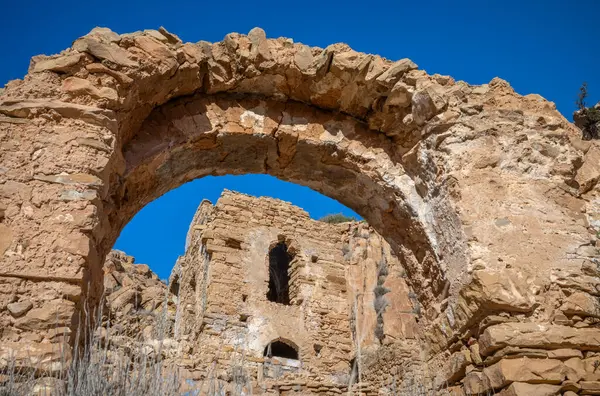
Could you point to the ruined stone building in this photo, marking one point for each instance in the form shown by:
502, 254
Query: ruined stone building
266, 290
488, 199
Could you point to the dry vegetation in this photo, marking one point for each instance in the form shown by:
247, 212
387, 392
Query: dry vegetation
103, 368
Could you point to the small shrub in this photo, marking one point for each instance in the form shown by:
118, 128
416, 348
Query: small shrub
382, 268
379, 305
380, 290
587, 118
336, 218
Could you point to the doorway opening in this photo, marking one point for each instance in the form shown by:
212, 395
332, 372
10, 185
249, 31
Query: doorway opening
281, 349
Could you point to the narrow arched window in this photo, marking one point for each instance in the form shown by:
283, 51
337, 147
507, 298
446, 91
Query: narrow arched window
354, 373
281, 349
279, 278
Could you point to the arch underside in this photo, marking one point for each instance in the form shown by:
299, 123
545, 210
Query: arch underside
329, 152
487, 197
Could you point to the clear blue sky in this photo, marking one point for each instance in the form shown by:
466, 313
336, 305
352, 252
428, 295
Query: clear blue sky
540, 46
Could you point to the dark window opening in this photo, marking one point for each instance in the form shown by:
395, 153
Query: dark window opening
279, 279
354, 371
233, 243
317, 348
281, 349
174, 286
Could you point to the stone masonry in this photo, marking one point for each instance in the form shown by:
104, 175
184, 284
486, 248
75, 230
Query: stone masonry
489, 199
225, 316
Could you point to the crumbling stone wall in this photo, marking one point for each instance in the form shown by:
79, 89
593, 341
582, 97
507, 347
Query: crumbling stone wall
488, 198
226, 317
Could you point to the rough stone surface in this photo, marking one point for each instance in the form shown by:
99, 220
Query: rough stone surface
532, 335
524, 389
333, 272
19, 308
489, 200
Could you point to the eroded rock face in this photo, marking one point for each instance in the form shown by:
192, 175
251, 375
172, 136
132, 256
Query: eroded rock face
489, 199
137, 305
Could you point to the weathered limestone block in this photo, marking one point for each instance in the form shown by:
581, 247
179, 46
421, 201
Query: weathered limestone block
475, 383
80, 86
586, 369
454, 369
110, 52
503, 290
93, 115
565, 353
19, 308
533, 335
395, 71
590, 387
52, 314
589, 173
524, 389
46, 357
6, 237
582, 304
507, 371
59, 64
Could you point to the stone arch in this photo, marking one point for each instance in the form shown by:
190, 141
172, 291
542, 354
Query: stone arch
178, 143
439, 168
283, 348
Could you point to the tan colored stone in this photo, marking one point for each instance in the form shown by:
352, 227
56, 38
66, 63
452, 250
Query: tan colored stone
6, 238
475, 383
19, 308
93, 115
524, 389
171, 37
512, 352
570, 386
76, 178
52, 314
104, 51
589, 173
60, 64
154, 48
533, 335
590, 268
454, 369
500, 290
475, 355
48, 386
547, 371
565, 353
577, 369
259, 48
582, 304
395, 71
467, 184
124, 296
79, 86
44, 357
400, 95
590, 387
100, 68
104, 34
